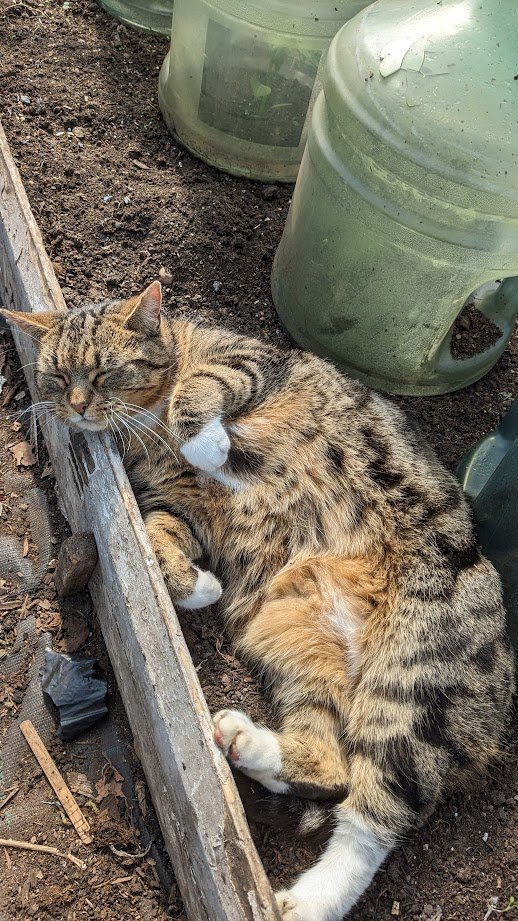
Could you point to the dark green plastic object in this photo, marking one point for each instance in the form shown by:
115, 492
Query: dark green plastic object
489, 475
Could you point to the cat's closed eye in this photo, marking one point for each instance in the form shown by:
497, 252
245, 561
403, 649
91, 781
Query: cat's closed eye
60, 379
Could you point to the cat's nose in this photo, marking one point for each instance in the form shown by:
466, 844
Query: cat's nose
80, 407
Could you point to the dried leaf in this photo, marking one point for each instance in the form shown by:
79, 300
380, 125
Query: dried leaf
79, 783
76, 632
110, 784
23, 454
140, 790
25, 550
49, 622
47, 470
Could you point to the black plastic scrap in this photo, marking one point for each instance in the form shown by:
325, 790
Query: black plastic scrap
78, 695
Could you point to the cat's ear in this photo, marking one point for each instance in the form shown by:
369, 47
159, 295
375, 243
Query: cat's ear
144, 316
34, 324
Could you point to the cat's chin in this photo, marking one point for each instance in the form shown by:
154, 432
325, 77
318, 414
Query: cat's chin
86, 425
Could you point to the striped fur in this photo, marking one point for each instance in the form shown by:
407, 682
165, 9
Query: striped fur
350, 572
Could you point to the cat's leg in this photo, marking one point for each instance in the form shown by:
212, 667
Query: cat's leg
305, 760
176, 548
330, 888
196, 417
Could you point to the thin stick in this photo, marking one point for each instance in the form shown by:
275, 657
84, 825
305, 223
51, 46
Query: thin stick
7, 799
137, 856
56, 781
28, 846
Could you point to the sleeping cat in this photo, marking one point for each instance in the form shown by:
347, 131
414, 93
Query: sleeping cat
343, 553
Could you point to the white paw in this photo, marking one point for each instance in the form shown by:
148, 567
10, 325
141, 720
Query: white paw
208, 450
253, 749
290, 907
206, 591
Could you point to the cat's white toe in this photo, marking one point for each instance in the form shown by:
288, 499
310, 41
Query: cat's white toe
290, 907
235, 733
206, 591
253, 749
208, 450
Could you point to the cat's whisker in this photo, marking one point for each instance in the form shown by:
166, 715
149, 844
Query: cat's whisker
42, 406
149, 431
123, 436
147, 412
116, 431
136, 434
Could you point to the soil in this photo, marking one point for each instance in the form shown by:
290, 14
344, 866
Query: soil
117, 200
472, 333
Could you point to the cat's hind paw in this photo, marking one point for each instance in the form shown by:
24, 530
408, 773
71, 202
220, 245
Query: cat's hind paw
206, 591
253, 749
238, 738
290, 907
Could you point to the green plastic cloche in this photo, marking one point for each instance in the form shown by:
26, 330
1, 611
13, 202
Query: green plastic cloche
146, 15
239, 83
406, 201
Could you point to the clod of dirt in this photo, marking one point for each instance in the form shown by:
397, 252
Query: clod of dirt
76, 563
106, 830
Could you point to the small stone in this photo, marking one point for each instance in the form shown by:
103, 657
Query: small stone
428, 910
463, 322
485, 836
395, 909
463, 874
269, 192
26, 100
76, 562
217, 286
165, 277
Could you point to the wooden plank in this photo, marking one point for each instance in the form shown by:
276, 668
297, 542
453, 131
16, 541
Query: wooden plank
217, 867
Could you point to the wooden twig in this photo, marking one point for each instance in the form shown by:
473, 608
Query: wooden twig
127, 854
56, 781
44, 848
7, 799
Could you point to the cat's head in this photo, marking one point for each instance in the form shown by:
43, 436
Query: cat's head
101, 362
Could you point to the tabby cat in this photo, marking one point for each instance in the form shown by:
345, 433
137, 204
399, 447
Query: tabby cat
343, 553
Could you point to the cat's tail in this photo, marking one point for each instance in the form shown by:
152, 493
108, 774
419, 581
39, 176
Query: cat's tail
302, 817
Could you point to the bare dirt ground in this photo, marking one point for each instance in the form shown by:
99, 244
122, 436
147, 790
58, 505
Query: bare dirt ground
117, 199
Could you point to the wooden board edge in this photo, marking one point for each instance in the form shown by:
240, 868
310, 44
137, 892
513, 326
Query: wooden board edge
233, 883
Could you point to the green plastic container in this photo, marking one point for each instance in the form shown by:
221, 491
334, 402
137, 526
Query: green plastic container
239, 85
407, 197
147, 15
489, 475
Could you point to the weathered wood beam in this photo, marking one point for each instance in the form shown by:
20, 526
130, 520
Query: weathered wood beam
206, 834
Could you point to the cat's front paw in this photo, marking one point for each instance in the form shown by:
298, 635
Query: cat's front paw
291, 908
206, 591
208, 450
